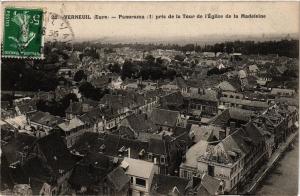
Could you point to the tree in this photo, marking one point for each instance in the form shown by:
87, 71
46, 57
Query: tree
114, 68
80, 75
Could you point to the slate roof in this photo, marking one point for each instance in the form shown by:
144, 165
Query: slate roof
6, 178
91, 170
173, 99
162, 184
141, 123
232, 114
209, 95
257, 104
92, 116
75, 108
211, 184
35, 168
239, 143
118, 178
158, 146
21, 143
164, 117
88, 142
204, 133
56, 153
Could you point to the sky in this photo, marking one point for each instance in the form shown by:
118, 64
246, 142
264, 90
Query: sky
281, 18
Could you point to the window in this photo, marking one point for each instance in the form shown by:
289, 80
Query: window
185, 174
150, 156
162, 160
131, 180
140, 182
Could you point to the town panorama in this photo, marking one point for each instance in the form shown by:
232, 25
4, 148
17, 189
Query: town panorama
96, 118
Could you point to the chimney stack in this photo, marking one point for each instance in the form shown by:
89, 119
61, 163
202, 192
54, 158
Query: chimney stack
232, 127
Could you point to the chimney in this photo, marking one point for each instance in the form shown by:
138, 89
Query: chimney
128, 152
16, 133
232, 127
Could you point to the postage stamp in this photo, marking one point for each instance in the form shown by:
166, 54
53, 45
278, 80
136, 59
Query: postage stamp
23, 33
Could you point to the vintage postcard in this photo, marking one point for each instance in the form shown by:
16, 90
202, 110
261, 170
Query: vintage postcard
149, 98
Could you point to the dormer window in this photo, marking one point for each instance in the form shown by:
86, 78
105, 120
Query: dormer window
122, 149
102, 147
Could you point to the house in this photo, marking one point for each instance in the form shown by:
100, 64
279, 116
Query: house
169, 185
167, 119
66, 73
26, 108
141, 174
226, 86
173, 101
141, 126
253, 70
232, 118
17, 147
178, 84
55, 159
162, 151
72, 130
97, 174
207, 133
210, 186
254, 105
188, 167
94, 120
235, 158
101, 82
283, 92
204, 102
43, 122
77, 109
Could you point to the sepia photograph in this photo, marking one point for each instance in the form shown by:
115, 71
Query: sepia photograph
149, 98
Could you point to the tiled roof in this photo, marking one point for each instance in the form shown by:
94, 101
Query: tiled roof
46, 119
71, 124
226, 86
139, 168
194, 152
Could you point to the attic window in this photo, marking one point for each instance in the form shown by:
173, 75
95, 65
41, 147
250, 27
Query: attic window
175, 190
231, 153
122, 149
102, 147
142, 152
